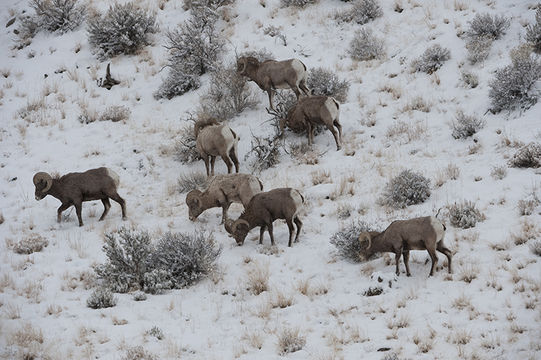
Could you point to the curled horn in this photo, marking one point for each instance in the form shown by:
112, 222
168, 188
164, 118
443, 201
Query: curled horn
366, 236
237, 223
228, 224
43, 176
244, 62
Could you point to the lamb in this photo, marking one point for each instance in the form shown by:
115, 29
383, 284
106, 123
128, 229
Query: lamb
271, 74
312, 111
214, 139
221, 192
263, 209
405, 235
74, 188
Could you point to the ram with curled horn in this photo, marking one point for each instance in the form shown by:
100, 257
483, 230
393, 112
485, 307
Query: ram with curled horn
74, 188
270, 75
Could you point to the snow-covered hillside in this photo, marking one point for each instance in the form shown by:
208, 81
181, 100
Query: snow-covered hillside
394, 119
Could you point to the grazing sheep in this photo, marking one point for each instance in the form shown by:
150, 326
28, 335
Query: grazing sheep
312, 111
424, 233
74, 188
271, 74
213, 139
221, 192
263, 209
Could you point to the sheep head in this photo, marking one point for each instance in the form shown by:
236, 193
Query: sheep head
246, 62
239, 229
43, 182
193, 200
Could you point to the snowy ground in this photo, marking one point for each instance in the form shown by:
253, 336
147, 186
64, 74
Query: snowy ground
496, 315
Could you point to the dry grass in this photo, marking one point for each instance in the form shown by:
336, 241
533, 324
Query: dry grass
346, 187
405, 132
12, 311
321, 177
417, 104
258, 278
290, 340
528, 231
468, 273
281, 300
253, 338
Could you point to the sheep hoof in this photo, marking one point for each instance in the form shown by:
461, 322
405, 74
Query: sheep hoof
124, 218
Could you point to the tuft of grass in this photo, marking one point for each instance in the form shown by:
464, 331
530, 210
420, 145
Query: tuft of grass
290, 341
258, 278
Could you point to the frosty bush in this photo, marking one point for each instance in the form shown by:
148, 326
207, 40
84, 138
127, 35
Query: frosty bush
228, 95
193, 51
58, 15
139, 296
466, 125
362, 12
289, 341
347, 240
156, 281
325, 82
185, 146
30, 244
464, 215
432, 59
190, 181
115, 113
512, 87
156, 332
214, 4
128, 252
486, 25
365, 46
528, 156
266, 151
478, 49
535, 247
533, 32
469, 79
185, 257
296, 3
124, 29
101, 298
138, 353
408, 188
261, 54
26, 31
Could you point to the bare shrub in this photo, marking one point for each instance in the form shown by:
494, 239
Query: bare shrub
325, 82
407, 188
466, 125
362, 12
511, 88
499, 172
404, 131
478, 49
138, 353
290, 341
535, 247
101, 298
185, 149
296, 3
464, 215
528, 156
347, 240
213, 4
266, 152
28, 28
30, 244
190, 181
194, 49
365, 46
123, 29
486, 25
139, 296
432, 59
469, 79
228, 94
528, 231
533, 32
115, 113
258, 278
29, 342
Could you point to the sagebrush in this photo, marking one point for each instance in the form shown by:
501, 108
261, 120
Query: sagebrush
466, 125
486, 25
123, 29
190, 181
362, 12
347, 240
432, 59
366, 46
296, 3
185, 149
407, 188
464, 214
533, 32
528, 156
101, 298
58, 15
325, 82
30, 244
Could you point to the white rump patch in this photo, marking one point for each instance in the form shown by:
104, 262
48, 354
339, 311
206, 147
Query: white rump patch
113, 175
299, 70
297, 199
332, 108
438, 227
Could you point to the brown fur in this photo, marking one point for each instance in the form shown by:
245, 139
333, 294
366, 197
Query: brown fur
212, 142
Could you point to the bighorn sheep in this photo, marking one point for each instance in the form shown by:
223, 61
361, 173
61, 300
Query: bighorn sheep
312, 111
263, 209
271, 74
213, 139
424, 233
221, 192
74, 188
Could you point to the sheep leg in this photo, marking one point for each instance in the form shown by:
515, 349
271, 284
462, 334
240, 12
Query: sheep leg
406, 254
310, 132
304, 88
291, 230
269, 228
270, 92
212, 162
299, 227
261, 233
441, 248
234, 158
339, 127
122, 203
434, 257
78, 211
106, 207
59, 211
225, 207
335, 134
397, 260
228, 163
206, 160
